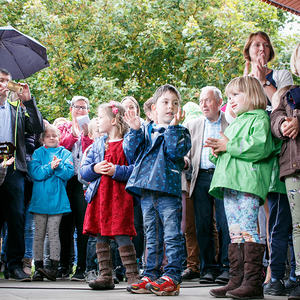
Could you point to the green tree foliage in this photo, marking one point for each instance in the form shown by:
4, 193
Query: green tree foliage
106, 49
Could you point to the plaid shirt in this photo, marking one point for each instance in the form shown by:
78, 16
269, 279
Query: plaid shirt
211, 129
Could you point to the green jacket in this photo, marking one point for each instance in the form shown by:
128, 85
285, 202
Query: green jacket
247, 164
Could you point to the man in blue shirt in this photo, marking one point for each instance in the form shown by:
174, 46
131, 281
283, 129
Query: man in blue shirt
16, 118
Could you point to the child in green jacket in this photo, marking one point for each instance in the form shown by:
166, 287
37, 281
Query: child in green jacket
244, 160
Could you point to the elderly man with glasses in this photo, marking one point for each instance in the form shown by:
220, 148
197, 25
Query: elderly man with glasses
74, 138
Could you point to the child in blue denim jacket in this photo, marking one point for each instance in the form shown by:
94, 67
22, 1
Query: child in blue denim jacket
158, 151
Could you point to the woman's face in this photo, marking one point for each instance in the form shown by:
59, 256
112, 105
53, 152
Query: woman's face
130, 106
259, 49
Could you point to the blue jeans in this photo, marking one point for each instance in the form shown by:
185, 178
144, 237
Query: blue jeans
12, 211
28, 234
91, 255
162, 218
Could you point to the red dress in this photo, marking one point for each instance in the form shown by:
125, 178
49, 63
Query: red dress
110, 213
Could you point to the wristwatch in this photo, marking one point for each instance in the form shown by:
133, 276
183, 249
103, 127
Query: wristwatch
267, 83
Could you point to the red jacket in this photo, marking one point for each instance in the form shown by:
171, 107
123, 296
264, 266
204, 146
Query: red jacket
67, 139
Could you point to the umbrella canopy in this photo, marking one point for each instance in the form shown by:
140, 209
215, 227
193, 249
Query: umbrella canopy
20, 54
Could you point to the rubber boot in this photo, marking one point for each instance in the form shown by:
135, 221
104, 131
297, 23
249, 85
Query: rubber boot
105, 279
128, 257
50, 272
37, 275
236, 271
251, 287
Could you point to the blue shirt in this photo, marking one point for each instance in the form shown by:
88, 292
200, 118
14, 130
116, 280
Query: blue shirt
6, 131
211, 129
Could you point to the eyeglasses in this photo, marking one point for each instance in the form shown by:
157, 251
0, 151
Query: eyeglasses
78, 107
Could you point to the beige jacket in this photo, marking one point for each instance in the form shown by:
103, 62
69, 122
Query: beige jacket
196, 128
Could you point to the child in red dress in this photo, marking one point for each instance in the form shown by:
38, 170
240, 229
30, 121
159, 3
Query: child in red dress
109, 213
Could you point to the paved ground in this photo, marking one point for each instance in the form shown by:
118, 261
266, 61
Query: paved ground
12, 290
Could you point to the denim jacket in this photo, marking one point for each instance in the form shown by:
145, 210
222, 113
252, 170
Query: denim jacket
94, 156
158, 163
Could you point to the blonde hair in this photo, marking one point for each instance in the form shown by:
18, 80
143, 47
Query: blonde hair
93, 128
49, 127
294, 57
278, 95
58, 121
254, 92
115, 109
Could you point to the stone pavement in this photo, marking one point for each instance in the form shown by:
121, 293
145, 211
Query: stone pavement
59, 290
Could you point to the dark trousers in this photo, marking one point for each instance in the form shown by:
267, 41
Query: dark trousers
13, 212
280, 228
223, 233
203, 206
69, 222
138, 240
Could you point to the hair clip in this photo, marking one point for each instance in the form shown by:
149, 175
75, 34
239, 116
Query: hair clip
114, 109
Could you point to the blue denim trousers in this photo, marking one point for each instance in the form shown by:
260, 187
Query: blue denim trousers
162, 215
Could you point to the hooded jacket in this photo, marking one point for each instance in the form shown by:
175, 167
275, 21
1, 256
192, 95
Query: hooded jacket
159, 163
94, 156
247, 164
49, 194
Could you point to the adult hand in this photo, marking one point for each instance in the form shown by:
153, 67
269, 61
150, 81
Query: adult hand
259, 69
247, 67
179, 117
25, 95
75, 127
290, 127
132, 120
3, 88
55, 162
85, 129
217, 145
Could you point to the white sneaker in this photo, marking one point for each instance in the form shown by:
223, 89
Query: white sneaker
91, 275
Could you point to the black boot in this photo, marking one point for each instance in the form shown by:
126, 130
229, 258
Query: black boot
295, 293
50, 272
37, 275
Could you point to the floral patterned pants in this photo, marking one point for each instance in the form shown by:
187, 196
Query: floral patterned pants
241, 212
292, 184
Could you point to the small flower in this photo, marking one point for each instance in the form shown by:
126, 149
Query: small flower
114, 110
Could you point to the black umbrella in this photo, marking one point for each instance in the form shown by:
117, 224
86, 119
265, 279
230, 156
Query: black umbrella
20, 54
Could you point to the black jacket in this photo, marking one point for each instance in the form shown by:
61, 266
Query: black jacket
29, 121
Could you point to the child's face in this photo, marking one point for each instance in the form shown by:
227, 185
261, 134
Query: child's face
166, 107
104, 122
130, 106
51, 139
237, 101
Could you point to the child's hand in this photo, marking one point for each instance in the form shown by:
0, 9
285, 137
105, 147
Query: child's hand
179, 117
55, 162
102, 167
111, 170
290, 127
132, 120
217, 145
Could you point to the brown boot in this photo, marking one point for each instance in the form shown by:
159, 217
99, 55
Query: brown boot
251, 287
236, 271
105, 279
128, 257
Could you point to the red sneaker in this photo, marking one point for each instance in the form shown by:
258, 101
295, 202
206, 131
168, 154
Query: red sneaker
140, 287
164, 286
